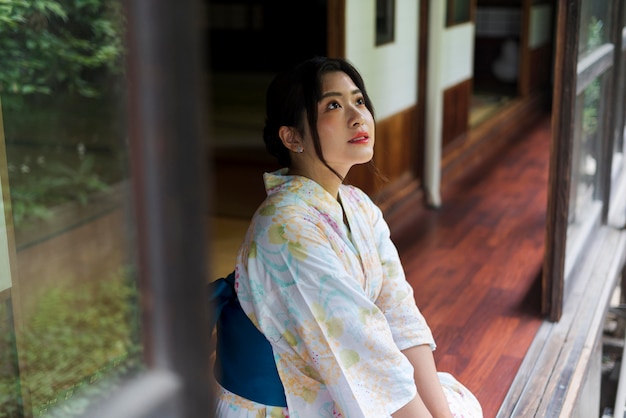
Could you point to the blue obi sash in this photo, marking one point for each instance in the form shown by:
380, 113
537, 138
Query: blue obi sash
244, 362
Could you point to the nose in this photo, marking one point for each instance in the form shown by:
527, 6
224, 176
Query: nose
358, 118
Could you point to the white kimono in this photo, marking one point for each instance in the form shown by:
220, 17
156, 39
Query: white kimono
335, 305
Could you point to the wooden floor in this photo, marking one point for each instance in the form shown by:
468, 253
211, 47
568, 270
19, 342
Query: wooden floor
475, 265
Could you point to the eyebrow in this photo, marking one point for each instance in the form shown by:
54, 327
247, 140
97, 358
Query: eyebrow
335, 93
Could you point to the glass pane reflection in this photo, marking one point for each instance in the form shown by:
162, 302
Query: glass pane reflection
587, 151
585, 202
595, 26
68, 311
620, 106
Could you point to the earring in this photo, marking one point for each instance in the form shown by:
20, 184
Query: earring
299, 149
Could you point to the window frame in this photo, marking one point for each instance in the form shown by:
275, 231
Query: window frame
573, 74
168, 169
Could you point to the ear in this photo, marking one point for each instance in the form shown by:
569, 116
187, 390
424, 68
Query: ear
290, 138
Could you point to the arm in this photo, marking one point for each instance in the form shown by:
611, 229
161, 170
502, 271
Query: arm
413, 337
414, 409
428, 386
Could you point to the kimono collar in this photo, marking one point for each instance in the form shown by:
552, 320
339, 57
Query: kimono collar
299, 188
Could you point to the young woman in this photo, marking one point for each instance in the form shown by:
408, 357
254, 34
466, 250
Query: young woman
320, 278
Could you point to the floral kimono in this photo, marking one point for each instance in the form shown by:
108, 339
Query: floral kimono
332, 299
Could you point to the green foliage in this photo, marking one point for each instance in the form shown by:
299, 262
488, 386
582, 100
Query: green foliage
59, 45
591, 101
10, 392
595, 38
10, 399
43, 186
595, 35
79, 343
60, 79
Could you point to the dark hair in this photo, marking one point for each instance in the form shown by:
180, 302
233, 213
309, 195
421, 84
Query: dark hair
295, 93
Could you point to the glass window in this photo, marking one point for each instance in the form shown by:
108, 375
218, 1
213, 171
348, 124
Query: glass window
595, 28
69, 324
585, 187
620, 105
617, 216
587, 151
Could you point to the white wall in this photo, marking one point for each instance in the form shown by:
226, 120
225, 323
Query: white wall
456, 58
389, 71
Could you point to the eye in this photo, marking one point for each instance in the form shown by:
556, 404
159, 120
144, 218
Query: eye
333, 105
360, 101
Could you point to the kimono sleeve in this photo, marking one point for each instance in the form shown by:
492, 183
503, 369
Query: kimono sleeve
333, 346
397, 299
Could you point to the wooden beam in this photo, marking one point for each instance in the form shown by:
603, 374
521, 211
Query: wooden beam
336, 24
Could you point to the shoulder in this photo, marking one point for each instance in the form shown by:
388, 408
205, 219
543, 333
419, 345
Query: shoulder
282, 213
284, 203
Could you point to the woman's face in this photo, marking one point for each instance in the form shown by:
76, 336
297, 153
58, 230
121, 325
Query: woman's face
345, 125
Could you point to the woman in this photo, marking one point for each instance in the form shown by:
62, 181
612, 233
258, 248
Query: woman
317, 272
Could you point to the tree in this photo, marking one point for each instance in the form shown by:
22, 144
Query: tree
59, 45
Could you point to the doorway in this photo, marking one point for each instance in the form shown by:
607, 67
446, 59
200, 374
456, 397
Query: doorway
496, 57
249, 42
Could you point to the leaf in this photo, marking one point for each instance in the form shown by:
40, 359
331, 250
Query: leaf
28, 89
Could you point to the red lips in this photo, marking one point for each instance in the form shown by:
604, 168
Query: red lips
360, 137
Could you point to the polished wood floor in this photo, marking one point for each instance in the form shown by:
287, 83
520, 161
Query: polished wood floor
475, 265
